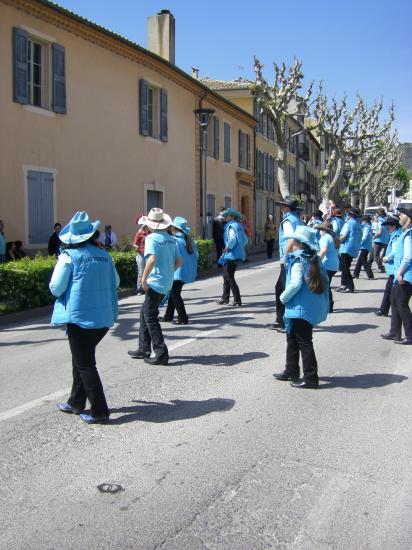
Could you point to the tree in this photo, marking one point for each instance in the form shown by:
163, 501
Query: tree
280, 101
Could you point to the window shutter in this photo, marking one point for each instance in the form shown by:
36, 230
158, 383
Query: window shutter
20, 69
40, 206
226, 142
143, 107
216, 138
247, 152
163, 114
59, 79
240, 149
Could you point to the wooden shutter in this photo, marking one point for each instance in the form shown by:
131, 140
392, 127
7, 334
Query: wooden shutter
20, 69
216, 138
59, 79
247, 152
240, 149
40, 206
163, 114
143, 107
226, 143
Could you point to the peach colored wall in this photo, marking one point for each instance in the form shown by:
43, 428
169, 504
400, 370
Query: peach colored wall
102, 163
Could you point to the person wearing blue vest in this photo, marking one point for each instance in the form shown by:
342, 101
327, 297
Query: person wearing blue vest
2, 243
235, 251
380, 240
394, 230
85, 283
402, 285
185, 274
350, 238
306, 304
290, 221
337, 221
365, 249
329, 254
162, 258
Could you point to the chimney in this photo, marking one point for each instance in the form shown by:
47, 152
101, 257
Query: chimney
161, 35
195, 72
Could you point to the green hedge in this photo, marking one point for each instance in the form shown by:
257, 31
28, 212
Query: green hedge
24, 284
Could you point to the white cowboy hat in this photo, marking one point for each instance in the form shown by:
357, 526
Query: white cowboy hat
156, 219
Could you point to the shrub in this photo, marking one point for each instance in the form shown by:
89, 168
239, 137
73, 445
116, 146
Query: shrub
204, 248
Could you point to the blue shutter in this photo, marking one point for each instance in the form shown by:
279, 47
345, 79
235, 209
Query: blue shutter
40, 206
240, 149
20, 68
143, 107
247, 152
216, 138
59, 79
163, 114
227, 143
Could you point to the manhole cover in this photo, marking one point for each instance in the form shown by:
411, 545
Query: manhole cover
111, 488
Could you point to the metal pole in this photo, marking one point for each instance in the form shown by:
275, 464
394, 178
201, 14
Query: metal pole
203, 180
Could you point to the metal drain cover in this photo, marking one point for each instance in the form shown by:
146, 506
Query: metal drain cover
111, 488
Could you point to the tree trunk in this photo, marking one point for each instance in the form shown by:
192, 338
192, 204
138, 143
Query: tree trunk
336, 177
367, 197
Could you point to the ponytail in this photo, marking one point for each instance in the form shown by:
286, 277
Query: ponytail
188, 243
315, 280
337, 242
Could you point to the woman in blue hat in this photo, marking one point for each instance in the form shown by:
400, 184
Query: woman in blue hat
329, 254
185, 274
85, 283
394, 231
306, 304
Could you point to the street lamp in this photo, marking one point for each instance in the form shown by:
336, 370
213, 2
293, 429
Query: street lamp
203, 117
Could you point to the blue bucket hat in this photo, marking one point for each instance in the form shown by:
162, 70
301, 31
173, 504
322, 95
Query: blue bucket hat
307, 236
79, 229
231, 212
181, 223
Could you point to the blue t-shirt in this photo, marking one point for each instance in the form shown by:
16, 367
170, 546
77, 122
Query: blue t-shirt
164, 247
331, 260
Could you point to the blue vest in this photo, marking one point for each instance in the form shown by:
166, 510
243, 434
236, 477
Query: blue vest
407, 273
331, 260
293, 218
237, 253
305, 304
337, 224
393, 239
352, 242
90, 300
366, 242
384, 236
187, 271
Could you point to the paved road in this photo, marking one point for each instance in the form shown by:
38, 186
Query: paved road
211, 451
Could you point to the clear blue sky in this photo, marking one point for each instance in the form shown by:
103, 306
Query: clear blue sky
352, 45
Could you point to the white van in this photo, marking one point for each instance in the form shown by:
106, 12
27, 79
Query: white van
372, 210
404, 203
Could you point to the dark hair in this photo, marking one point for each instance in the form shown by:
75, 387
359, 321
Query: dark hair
188, 243
57, 224
314, 280
18, 244
91, 240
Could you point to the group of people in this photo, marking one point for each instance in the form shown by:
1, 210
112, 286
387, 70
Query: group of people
10, 250
85, 281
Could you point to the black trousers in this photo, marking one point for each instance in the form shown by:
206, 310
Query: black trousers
279, 288
176, 302
346, 276
386, 300
86, 379
229, 283
220, 245
377, 256
364, 262
269, 247
330, 276
401, 312
300, 341
150, 331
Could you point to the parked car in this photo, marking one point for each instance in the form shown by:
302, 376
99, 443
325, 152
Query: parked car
403, 203
372, 210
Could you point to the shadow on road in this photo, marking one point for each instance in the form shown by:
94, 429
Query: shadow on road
228, 360
350, 329
361, 381
153, 411
356, 310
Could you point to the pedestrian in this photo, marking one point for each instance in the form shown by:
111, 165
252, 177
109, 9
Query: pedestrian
329, 254
365, 249
394, 231
218, 229
18, 250
53, 246
315, 219
350, 238
306, 304
380, 240
162, 259
270, 233
337, 221
2, 243
185, 274
108, 238
402, 285
85, 283
290, 221
233, 253
248, 233
10, 251
138, 243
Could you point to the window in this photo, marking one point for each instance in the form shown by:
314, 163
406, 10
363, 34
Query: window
36, 64
154, 199
260, 211
40, 209
153, 121
226, 142
244, 150
228, 202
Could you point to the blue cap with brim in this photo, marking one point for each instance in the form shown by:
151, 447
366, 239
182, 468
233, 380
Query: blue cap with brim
306, 235
231, 212
79, 229
181, 224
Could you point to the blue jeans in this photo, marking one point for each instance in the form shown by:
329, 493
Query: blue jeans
150, 332
140, 262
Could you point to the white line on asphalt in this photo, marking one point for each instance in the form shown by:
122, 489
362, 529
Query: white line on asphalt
47, 398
